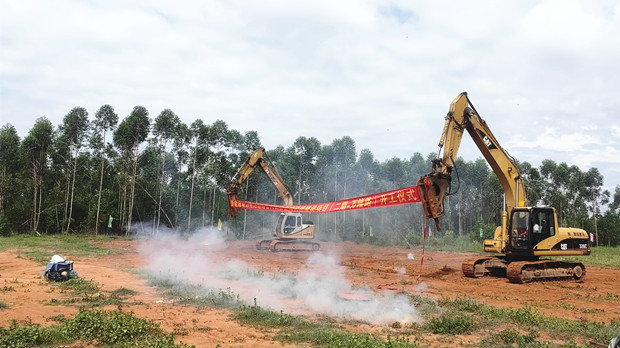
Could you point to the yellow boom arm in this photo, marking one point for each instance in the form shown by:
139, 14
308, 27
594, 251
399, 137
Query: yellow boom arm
434, 186
257, 159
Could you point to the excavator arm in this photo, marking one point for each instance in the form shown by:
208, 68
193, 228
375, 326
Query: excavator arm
436, 185
258, 159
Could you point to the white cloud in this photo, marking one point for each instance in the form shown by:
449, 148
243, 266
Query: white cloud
382, 72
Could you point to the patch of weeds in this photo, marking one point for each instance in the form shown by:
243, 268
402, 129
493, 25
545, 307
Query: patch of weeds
79, 286
258, 316
296, 329
60, 318
29, 335
123, 292
87, 293
427, 307
510, 338
530, 319
97, 327
199, 296
116, 328
3, 305
7, 289
452, 323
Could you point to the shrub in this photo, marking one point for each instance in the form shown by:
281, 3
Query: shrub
452, 323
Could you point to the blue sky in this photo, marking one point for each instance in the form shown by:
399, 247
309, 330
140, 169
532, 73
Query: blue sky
543, 74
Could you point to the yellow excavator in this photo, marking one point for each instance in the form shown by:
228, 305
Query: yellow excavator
291, 231
526, 233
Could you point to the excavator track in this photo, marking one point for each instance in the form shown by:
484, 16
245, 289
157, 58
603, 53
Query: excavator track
544, 270
263, 244
277, 245
477, 267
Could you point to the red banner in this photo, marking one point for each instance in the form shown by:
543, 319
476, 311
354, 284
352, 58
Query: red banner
386, 199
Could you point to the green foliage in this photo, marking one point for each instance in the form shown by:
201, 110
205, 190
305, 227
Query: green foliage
527, 318
110, 327
600, 256
87, 294
41, 248
17, 336
452, 323
5, 229
195, 295
296, 329
180, 177
444, 242
3, 305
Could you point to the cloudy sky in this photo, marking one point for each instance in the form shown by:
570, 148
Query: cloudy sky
543, 74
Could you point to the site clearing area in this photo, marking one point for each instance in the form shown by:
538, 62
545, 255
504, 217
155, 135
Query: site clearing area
195, 287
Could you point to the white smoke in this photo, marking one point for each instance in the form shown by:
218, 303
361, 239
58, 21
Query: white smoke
319, 287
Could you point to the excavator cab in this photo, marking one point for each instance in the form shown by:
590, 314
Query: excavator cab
528, 228
520, 228
291, 225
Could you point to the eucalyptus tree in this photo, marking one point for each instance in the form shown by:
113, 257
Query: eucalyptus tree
344, 159
74, 129
180, 146
165, 129
35, 148
224, 140
9, 163
200, 138
131, 132
105, 120
306, 153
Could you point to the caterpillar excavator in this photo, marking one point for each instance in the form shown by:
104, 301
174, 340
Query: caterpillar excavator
527, 233
291, 232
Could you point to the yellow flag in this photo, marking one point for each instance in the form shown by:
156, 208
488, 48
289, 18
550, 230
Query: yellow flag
219, 224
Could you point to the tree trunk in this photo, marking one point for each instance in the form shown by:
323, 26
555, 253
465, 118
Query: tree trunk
34, 197
460, 210
213, 208
100, 185
72, 189
161, 186
133, 186
191, 193
245, 211
204, 206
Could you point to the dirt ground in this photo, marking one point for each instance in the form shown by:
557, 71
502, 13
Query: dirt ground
382, 269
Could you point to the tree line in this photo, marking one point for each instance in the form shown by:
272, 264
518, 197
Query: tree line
107, 175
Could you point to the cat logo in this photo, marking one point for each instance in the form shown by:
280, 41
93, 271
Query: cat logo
485, 139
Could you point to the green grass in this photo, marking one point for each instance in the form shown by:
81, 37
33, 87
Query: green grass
290, 329
3, 305
530, 319
599, 256
299, 330
87, 294
103, 328
41, 248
